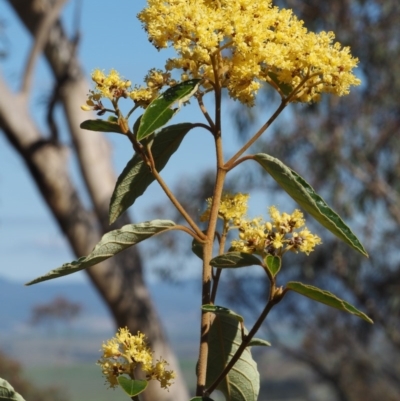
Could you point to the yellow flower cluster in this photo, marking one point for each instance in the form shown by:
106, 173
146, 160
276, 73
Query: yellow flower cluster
232, 207
113, 87
124, 352
276, 237
110, 86
243, 43
155, 80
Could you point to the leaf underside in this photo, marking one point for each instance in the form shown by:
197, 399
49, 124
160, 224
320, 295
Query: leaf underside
220, 310
243, 381
308, 199
136, 176
110, 244
327, 298
259, 342
7, 392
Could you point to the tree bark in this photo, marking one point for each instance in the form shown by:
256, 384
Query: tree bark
120, 280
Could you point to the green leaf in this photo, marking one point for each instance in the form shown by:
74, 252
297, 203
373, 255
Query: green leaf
326, 298
285, 88
235, 259
136, 176
308, 199
197, 249
243, 381
259, 342
101, 126
112, 119
159, 111
7, 392
273, 264
110, 244
137, 124
220, 310
132, 387
201, 399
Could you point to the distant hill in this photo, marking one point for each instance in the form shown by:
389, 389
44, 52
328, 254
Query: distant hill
17, 300
175, 304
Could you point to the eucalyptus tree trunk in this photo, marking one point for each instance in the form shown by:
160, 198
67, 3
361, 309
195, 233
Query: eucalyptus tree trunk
119, 280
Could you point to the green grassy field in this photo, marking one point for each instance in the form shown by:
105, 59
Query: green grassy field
84, 382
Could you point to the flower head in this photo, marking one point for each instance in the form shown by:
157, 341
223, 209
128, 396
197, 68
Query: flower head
125, 352
232, 207
113, 87
244, 43
155, 80
110, 86
275, 237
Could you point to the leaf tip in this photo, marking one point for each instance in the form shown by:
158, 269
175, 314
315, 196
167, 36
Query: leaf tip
368, 319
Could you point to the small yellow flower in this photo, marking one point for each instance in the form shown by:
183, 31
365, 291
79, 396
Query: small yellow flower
304, 241
124, 352
232, 207
110, 86
155, 80
278, 240
276, 237
158, 372
247, 43
285, 222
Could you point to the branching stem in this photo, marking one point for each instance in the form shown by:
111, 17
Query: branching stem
257, 135
188, 231
177, 204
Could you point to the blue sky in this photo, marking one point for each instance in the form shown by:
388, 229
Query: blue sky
111, 37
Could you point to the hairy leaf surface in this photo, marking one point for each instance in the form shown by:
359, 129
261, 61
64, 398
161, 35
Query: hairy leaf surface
259, 342
308, 199
7, 392
110, 244
243, 381
326, 297
220, 310
136, 176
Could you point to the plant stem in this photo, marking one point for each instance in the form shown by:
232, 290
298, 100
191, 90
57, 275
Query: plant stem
220, 252
208, 246
188, 231
205, 112
207, 273
278, 111
241, 160
176, 203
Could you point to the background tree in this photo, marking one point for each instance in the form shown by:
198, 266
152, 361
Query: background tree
58, 309
120, 283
